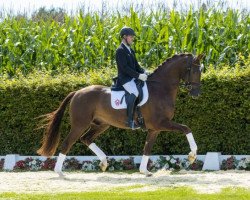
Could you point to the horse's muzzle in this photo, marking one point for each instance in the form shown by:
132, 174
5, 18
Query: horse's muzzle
195, 92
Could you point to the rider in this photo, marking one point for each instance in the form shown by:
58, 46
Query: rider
128, 71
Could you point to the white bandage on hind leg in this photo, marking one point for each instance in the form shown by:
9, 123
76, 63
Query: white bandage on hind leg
59, 162
100, 154
144, 163
191, 142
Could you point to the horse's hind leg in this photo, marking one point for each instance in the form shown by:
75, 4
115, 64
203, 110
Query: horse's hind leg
72, 137
150, 140
95, 130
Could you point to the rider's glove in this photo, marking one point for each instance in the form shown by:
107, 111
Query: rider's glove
143, 77
147, 72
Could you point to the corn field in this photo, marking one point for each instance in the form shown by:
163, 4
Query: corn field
89, 40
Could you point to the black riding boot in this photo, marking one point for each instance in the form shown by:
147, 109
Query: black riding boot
130, 112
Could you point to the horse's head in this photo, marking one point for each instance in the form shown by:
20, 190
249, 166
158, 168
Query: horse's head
182, 66
192, 76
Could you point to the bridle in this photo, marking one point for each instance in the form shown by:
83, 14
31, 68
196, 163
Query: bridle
189, 84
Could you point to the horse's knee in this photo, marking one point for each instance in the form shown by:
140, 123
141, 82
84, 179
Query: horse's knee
86, 140
186, 129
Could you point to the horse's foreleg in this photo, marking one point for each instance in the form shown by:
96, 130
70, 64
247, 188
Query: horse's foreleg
88, 138
150, 140
172, 126
193, 154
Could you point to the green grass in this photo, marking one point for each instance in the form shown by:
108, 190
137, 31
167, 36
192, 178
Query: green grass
124, 193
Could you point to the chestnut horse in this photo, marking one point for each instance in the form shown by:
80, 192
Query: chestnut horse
91, 112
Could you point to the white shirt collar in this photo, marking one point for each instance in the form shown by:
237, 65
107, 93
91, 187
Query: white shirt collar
127, 47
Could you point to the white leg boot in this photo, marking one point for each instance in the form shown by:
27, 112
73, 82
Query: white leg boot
101, 155
59, 164
143, 166
193, 154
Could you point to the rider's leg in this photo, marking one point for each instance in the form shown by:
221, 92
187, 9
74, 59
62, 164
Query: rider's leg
131, 88
130, 111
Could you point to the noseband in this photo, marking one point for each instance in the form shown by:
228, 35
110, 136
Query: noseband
189, 84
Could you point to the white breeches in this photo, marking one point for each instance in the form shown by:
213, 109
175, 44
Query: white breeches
131, 88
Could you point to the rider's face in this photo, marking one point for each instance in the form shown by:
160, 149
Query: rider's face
130, 39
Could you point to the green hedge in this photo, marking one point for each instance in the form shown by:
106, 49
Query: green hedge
219, 119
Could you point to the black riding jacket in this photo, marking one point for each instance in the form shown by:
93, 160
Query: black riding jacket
128, 67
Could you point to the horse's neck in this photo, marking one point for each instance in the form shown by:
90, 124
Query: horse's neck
167, 79
169, 75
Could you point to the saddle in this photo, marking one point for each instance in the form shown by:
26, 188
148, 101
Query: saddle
139, 84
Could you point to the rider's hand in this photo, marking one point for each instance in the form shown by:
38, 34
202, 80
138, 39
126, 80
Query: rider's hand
143, 77
146, 72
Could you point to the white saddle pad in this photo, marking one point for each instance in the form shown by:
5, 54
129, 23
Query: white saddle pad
116, 97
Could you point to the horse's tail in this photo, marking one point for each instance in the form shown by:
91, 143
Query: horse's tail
52, 136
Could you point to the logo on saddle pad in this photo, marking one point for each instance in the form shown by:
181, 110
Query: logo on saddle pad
118, 98
117, 102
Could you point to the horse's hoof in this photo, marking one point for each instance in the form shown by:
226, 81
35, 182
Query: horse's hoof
103, 165
60, 174
146, 173
192, 157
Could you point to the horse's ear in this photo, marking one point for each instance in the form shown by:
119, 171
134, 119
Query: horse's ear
200, 57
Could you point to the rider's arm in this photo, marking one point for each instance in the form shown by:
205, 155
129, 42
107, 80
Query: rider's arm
122, 64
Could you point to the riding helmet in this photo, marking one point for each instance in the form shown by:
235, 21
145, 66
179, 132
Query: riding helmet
127, 31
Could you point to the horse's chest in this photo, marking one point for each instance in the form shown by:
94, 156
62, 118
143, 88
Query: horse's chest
165, 108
